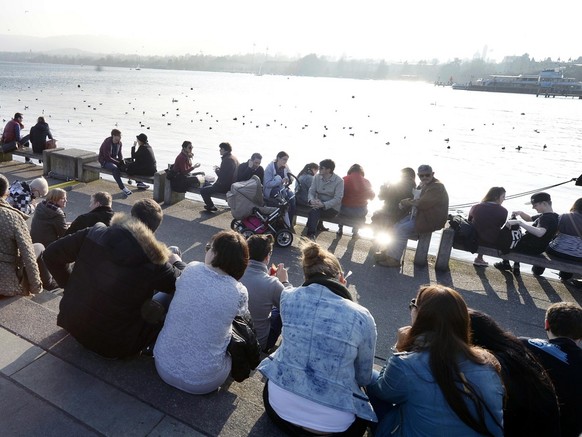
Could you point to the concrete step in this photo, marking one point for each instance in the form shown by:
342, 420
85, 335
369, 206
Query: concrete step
86, 394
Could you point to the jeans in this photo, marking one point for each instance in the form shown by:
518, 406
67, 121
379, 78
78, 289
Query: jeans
207, 192
276, 326
402, 230
116, 173
317, 214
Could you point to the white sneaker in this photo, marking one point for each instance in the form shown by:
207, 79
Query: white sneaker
127, 192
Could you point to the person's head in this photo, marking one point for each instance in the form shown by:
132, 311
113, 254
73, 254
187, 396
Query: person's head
486, 333
541, 202
101, 198
327, 166
148, 212
3, 186
356, 168
564, 319
495, 194
282, 158
187, 146
315, 260
40, 120
408, 173
39, 187
58, 196
256, 159
577, 207
260, 247
229, 252
18, 117
115, 135
224, 148
425, 174
311, 168
142, 138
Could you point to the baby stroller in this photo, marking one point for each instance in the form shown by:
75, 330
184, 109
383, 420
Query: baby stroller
251, 216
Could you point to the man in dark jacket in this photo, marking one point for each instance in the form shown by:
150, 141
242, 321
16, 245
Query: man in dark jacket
429, 212
38, 134
117, 270
101, 212
144, 161
561, 356
251, 168
226, 176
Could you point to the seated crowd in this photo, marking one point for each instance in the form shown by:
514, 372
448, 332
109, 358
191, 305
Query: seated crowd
454, 370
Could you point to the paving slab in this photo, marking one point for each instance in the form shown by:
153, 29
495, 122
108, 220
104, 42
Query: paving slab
17, 353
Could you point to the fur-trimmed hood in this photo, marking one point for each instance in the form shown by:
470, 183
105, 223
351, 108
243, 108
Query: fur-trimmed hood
155, 251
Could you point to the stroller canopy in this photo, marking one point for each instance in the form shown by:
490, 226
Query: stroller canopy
244, 196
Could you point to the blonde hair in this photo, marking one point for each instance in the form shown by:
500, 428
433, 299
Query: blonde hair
55, 194
316, 260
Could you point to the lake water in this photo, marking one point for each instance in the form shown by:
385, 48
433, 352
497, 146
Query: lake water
382, 125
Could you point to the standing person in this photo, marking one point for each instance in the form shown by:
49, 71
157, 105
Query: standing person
392, 211
537, 236
183, 180
567, 243
38, 134
226, 176
23, 195
116, 271
144, 161
561, 356
277, 180
100, 212
428, 213
531, 405
438, 383
304, 180
357, 192
315, 378
488, 217
49, 221
264, 289
11, 134
325, 197
190, 352
252, 167
111, 158
16, 250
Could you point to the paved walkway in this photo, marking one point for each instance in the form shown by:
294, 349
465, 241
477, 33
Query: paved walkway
50, 385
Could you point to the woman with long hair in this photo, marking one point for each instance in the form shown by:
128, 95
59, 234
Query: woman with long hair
304, 180
316, 376
190, 352
531, 407
567, 243
488, 217
438, 383
276, 183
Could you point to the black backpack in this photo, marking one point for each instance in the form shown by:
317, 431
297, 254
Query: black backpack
465, 234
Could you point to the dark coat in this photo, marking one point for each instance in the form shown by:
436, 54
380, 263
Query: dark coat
433, 208
101, 214
116, 270
38, 134
226, 173
144, 163
49, 223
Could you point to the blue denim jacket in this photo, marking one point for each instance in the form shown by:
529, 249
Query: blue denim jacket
421, 408
327, 351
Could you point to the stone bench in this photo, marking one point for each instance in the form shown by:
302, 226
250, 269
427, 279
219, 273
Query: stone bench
27, 152
543, 260
91, 171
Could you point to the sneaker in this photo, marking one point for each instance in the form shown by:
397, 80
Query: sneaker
126, 191
537, 270
388, 261
210, 208
321, 228
340, 230
27, 159
502, 265
142, 186
516, 270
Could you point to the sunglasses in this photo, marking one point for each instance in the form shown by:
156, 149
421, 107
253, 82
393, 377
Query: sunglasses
424, 175
412, 304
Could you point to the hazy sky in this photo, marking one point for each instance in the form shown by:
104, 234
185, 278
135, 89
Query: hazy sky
387, 29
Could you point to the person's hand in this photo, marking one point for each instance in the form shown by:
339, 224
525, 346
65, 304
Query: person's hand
401, 337
282, 274
196, 165
406, 202
517, 213
216, 168
173, 258
285, 181
134, 143
513, 222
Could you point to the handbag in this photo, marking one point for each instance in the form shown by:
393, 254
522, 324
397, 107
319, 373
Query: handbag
244, 348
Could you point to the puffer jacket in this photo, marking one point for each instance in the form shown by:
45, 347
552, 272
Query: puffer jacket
116, 270
16, 249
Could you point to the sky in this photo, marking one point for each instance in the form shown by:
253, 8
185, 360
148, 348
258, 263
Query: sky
409, 30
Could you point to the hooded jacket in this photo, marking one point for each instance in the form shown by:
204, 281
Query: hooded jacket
116, 270
48, 223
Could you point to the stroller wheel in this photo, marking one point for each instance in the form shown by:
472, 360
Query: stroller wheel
235, 224
246, 232
284, 238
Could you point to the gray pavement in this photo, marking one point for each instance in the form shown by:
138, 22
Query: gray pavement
50, 385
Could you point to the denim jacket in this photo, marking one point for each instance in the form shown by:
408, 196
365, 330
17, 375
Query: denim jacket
327, 351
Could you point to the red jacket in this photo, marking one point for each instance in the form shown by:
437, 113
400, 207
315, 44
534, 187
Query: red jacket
11, 131
357, 190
